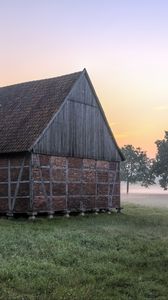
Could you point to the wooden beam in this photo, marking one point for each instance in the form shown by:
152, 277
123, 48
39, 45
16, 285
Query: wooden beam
42, 183
111, 197
51, 189
96, 192
17, 185
82, 206
9, 185
66, 178
30, 184
72, 100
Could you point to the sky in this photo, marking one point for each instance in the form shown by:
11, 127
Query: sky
123, 44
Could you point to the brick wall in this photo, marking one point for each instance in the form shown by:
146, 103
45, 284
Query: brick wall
10, 167
59, 184
74, 184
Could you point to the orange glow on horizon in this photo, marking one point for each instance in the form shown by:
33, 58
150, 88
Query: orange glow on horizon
127, 59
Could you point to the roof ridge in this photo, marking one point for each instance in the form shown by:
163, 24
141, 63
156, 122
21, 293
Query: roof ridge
38, 80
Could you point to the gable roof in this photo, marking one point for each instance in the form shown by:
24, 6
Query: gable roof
27, 108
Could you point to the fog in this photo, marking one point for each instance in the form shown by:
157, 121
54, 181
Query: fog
154, 196
137, 188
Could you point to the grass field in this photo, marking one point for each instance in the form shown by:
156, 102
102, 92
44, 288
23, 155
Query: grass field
105, 257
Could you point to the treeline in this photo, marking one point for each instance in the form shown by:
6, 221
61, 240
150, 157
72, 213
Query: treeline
138, 167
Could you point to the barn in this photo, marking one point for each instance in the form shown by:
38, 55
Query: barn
57, 151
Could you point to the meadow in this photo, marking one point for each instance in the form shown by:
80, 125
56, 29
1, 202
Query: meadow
103, 257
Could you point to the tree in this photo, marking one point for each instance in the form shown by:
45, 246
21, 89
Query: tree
160, 166
136, 167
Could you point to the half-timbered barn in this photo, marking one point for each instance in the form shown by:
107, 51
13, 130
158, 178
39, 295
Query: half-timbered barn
57, 151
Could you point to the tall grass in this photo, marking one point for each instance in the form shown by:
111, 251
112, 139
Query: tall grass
104, 257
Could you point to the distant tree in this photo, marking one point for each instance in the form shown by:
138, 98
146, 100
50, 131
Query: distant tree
137, 167
160, 166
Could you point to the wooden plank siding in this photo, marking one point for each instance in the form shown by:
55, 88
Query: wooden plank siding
79, 129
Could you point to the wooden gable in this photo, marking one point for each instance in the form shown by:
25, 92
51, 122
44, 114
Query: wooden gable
79, 128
